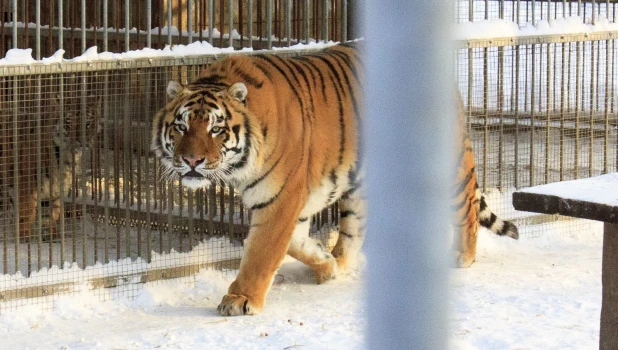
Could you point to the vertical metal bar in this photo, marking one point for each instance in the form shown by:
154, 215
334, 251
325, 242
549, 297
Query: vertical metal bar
250, 22
82, 180
105, 26
127, 24
211, 20
563, 100
533, 15
344, 20
532, 114
169, 22
516, 151
548, 105
38, 32
518, 20
16, 201
147, 169
593, 81
288, 22
307, 26
485, 115
424, 281
231, 211
39, 161
189, 21
325, 9
486, 9
83, 26
577, 105
230, 18
594, 18
107, 174
471, 10
269, 24
191, 216
126, 150
606, 106
14, 24
148, 23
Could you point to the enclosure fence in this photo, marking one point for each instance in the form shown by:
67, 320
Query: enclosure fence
81, 200
123, 25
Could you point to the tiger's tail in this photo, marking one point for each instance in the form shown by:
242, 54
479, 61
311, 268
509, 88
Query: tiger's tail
492, 222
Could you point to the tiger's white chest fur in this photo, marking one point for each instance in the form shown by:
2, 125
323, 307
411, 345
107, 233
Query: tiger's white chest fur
329, 191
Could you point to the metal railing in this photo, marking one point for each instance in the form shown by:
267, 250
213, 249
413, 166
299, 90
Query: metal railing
75, 25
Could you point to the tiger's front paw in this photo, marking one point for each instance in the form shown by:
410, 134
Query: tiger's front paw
462, 260
237, 305
326, 271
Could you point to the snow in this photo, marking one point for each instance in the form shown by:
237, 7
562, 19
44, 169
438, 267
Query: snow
538, 292
500, 28
600, 189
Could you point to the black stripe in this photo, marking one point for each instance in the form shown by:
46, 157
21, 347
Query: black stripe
462, 184
488, 222
345, 234
271, 200
258, 180
346, 213
317, 70
302, 219
248, 78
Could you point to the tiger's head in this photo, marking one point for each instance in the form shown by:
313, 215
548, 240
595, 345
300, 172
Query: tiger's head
204, 133
78, 124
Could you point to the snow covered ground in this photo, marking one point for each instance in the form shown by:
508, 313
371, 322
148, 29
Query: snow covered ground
536, 293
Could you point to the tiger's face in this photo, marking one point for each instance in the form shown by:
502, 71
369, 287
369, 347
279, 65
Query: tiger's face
202, 134
77, 127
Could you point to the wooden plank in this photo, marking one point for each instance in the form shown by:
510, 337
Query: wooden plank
550, 204
115, 280
608, 338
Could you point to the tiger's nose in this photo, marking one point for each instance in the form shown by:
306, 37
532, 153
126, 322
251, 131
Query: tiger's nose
193, 161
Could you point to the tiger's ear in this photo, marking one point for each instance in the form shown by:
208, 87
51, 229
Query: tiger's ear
174, 89
238, 91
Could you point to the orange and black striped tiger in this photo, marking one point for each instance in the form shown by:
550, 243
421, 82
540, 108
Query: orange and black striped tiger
469, 203
285, 133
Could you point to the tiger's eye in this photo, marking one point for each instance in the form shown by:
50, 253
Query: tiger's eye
215, 129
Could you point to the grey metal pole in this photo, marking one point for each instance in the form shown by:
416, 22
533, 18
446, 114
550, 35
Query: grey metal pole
14, 8
325, 19
250, 22
409, 111
231, 20
60, 24
211, 20
149, 23
105, 24
169, 22
269, 24
127, 25
84, 26
189, 21
38, 29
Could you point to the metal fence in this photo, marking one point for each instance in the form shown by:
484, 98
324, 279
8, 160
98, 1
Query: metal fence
541, 109
80, 198
115, 25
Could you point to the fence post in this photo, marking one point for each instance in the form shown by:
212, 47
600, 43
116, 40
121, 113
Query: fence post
408, 126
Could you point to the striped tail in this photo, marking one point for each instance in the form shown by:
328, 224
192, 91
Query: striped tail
493, 223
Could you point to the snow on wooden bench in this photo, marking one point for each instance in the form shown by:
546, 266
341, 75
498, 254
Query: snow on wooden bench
594, 198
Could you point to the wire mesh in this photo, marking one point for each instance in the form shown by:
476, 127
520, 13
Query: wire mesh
540, 112
81, 200
524, 11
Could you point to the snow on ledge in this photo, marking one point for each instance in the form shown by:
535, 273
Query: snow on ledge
600, 189
24, 56
499, 28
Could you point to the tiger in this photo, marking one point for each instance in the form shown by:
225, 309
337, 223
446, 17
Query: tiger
469, 204
60, 147
284, 131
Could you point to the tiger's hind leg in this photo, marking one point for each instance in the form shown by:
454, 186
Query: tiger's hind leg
352, 211
312, 252
465, 243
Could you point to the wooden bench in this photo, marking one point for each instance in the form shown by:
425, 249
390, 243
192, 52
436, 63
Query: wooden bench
594, 198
